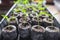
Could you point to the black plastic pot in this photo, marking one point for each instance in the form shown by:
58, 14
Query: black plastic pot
13, 21
40, 21
52, 33
29, 9
34, 21
34, 14
15, 14
27, 19
37, 32
9, 33
24, 30
20, 15
43, 16
47, 22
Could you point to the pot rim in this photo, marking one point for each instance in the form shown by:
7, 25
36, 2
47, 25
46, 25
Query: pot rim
33, 28
32, 15
33, 19
14, 28
44, 16
55, 30
27, 27
21, 20
12, 21
45, 20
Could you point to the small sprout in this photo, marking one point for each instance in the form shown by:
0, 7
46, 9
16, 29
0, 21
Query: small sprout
17, 10
25, 2
44, 13
26, 14
41, 8
12, 19
40, 1
5, 17
19, 1
24, 10
19, 6
34, 9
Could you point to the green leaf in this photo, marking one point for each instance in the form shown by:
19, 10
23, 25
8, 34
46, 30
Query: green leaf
24, 10
26, 14
25, 2
42, 13
41, 8
5, 17
16, 10
34, 9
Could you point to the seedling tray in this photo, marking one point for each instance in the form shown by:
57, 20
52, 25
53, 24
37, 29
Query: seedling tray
4, 22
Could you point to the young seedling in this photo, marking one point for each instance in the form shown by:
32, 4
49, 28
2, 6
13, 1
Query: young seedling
38, 18
5, 17
41, 8
18, 1
16, 10
34, 8
24, 13
40, 2
25, 2
45, 13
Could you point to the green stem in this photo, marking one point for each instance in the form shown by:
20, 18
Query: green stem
53, 21
38, 20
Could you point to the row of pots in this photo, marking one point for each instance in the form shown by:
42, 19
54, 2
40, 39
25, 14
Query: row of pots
26, 31
42, 20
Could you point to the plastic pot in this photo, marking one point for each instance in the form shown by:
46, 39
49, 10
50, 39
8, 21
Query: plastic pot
37, 32
13, 21
40, 21
47, 22
52, 33
27, 19
43, 16
20, 15
24, 29
34, 21
15, 14
29, 9
9, 32
34, 14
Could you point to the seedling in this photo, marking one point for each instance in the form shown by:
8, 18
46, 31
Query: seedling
25, 2
34, 8
46, 14
41, 8
16, 10
5, 17
24, 13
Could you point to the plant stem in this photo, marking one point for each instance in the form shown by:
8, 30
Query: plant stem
38, 21
53, 21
